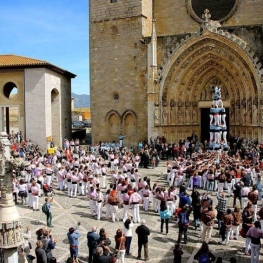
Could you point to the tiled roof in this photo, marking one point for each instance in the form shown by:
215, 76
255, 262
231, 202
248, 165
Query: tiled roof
14, 61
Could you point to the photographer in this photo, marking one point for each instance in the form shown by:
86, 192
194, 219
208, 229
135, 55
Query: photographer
49, 243
73, 239
104, 242
93, 240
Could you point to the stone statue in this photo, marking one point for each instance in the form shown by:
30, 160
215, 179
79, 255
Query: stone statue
18, 234
237, 114
172, 114
194, 115
165, 116
255, 115
243, 114
10, 239
179, 116
187, 115
156, 115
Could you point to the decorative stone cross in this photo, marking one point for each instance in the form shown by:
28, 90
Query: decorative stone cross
206, 16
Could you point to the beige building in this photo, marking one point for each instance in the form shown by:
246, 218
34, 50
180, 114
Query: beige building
154, 63
41, 94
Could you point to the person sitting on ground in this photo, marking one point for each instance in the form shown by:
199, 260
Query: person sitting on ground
204, 254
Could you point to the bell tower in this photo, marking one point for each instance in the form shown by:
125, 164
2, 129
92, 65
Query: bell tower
119, 33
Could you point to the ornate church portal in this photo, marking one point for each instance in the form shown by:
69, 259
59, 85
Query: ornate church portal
181, 93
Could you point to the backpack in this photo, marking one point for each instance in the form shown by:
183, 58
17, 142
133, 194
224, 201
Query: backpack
204, 258
183, 218
44, 208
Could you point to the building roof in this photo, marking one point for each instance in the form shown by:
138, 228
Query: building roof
19, 62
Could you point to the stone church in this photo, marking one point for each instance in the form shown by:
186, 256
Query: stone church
41, 94
153, 65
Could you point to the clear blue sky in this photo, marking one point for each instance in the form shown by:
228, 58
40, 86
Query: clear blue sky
52, 30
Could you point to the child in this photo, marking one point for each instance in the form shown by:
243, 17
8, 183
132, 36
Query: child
178, 252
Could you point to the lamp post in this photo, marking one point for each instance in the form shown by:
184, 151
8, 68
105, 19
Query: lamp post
10, 224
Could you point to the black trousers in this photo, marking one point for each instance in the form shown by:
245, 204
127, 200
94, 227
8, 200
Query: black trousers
166, 224
182, 230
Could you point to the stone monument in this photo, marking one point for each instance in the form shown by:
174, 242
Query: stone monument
10, 224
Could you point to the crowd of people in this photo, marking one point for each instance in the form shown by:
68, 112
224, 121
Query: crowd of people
111, 180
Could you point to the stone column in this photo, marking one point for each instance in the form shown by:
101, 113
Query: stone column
10, 224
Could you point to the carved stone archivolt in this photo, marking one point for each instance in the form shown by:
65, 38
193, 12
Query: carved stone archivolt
213, 58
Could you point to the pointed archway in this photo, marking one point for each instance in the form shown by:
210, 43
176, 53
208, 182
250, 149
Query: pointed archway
200, 60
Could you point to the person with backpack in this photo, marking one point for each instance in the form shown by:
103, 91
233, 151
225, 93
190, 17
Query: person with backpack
165, 214
46, 209
178, 252
184, 199
183, 223
204, 255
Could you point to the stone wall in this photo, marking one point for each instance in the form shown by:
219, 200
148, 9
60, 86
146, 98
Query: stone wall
119, 34
35, 109
172, 17
118, 61
45, 118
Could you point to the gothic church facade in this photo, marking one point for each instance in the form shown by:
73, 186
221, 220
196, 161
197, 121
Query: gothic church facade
153, 65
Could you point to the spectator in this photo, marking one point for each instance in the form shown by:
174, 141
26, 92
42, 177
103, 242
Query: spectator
127, 231
143, 232
73, 240
40, 253
100, 257
120, 240
49, 243
178, 252
48, 204
255, 233
204, 254
165, 214
93, 241
183, 223
221, 208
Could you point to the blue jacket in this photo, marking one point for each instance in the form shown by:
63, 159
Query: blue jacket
165, 214
73, 238
93, 239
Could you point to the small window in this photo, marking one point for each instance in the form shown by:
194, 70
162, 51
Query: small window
10, 90
113, 1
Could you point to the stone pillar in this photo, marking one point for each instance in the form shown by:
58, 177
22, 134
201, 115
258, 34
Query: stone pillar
10, 255
10, 224
152, 91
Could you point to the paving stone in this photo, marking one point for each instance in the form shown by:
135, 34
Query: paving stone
67, 212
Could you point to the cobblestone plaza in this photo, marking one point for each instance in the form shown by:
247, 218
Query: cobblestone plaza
67, 212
